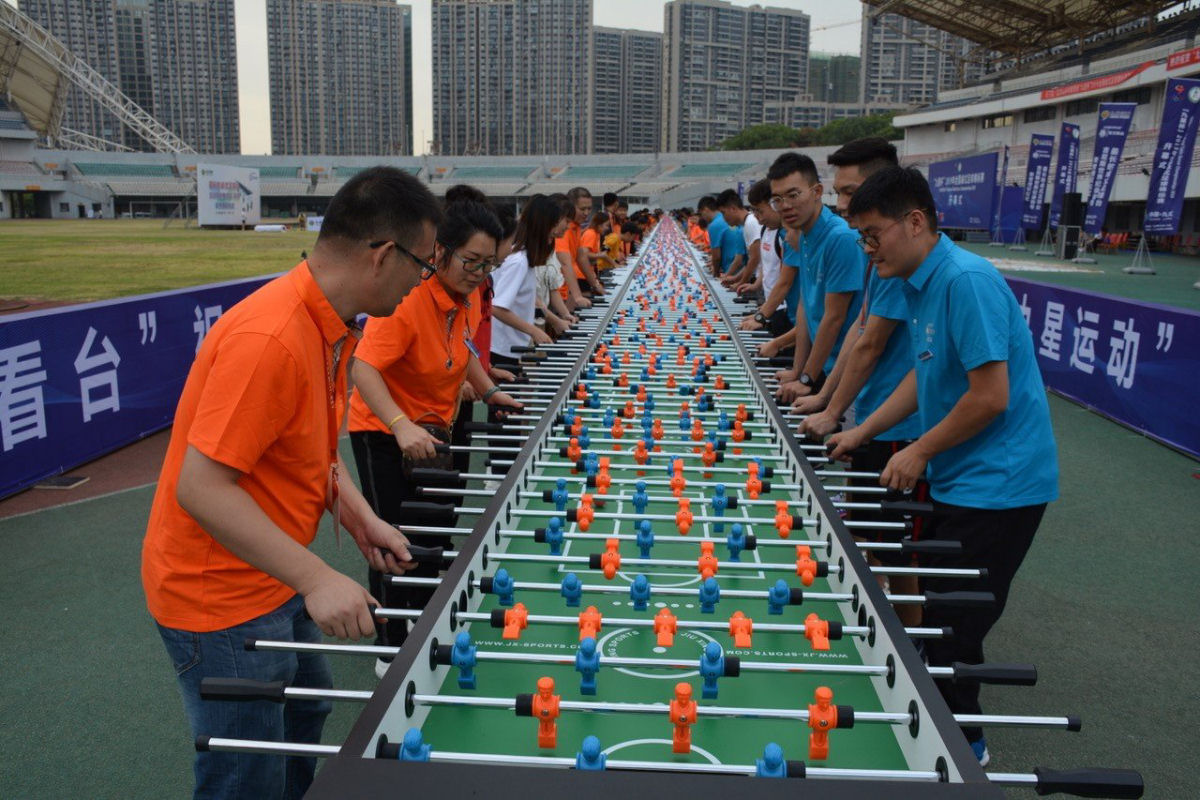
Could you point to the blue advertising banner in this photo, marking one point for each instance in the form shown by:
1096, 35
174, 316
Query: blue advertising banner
1111, 129
81, 381
1037, 175
1130, 361
964, 191
1067, 173
1173, 156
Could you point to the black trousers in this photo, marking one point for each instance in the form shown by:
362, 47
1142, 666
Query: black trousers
873, 457
996, 541
386, 487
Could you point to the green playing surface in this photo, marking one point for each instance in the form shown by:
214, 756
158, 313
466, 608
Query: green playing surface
647, 736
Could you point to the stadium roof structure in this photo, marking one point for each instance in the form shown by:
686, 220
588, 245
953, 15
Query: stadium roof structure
1015, 27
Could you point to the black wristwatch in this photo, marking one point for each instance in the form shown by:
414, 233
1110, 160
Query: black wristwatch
806, 379
759, 318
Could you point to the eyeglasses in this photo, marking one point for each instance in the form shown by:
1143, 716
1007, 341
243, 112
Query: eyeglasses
786, 200
484, 265
871, 240
428, 268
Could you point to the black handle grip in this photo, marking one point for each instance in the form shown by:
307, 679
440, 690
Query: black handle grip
418, 513
441, 447
524, 348
910, 507
944, 547
959, 599
995, 674
241, 689
426, 555
1090, 782
484, 427
428, 476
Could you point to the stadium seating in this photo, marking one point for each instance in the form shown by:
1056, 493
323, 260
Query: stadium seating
506, 173
276, 172
99, 170
610, 173
20, 168
708, 170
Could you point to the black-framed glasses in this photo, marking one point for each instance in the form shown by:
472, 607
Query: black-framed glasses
484, 265
428, 268
871, 240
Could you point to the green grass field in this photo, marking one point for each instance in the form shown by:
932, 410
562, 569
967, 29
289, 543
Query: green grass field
81, 260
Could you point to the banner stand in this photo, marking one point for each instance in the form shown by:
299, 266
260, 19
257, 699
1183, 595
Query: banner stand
1142, 265
1018, 242
1046, 248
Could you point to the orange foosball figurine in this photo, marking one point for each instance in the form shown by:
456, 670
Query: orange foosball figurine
516, 619
719, 383
641, 394
618, 432
683, 716
603, 481
806, 568
546, 710
656, 430
671, 381
822, 718
697, 432
678, 482
665, 625
683, 517
590, 622
816, 630
584, 513
623, 379
741, 415
610, 561
741, 629
640, 454
629, 412
709, 457
753, 484
783, 520
574, 451
707, 563
577, 426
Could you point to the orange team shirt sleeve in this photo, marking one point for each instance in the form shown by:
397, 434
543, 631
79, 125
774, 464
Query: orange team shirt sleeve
591, 240
249, 397
385, 340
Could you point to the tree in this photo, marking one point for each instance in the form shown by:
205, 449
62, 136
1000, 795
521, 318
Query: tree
845, 130
768, 137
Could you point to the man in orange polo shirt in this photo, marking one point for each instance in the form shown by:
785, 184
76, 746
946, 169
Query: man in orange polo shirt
576, 265
250, 470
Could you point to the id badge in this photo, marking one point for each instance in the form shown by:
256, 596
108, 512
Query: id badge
471, 346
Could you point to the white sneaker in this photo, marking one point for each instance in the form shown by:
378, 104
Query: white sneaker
381, 667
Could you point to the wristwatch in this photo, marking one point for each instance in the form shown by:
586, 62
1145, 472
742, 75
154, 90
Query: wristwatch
759, 318
806, 379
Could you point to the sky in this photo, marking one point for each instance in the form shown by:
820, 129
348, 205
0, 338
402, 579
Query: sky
835, 29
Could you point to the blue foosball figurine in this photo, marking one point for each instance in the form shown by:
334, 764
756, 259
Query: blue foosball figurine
572, 589
712, 666
560, 495
414, 748
640, 498
710, 595
645, 537
778, 596
502, 586
639, 592
719, 503
591, 755
554, 535
463, 657
771, 765
585, 441
587, 663
736, 541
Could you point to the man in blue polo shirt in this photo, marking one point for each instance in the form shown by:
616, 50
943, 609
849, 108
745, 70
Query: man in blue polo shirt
987, 447
831, 270
717, 228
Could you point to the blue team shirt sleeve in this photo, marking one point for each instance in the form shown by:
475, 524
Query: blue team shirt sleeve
846, 265
978, 320
887, 299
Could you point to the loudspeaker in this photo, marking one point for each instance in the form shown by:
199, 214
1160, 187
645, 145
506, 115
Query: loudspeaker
1069, 223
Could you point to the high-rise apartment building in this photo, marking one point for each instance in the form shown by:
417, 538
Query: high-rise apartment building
625, 91
177, 59
833, 78
510, 77
904, 61
728, 67
340, 77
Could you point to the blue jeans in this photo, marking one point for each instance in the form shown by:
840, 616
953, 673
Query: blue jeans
222, 654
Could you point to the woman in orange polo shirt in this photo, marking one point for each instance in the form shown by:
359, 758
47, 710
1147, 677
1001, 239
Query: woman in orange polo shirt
408, 372
592, 239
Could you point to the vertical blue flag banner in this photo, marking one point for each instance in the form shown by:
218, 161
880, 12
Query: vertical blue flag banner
1037, 175
964, 191
1068, 169
78, 382
1173, 156
1126, 360
1111, 129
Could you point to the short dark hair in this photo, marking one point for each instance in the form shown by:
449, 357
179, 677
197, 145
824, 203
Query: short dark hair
609, 199
463, 220
623, 204
463, 191
729, 198
870, 155
380, 203
537, 222
791, 162
578, 192
508, 221
565, 204
707, 202
631, 228
893, 192
760, 192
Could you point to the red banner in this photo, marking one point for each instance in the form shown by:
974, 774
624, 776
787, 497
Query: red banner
1094, 84
1183, 58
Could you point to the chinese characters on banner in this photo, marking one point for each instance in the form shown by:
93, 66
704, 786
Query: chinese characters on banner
1068, 169
964, 190
1129, 361
1037, 175
1173, 156
79, 382
1111, 130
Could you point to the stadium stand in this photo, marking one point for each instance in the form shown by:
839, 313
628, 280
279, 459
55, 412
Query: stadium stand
100, 170
489, 174
710, 170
